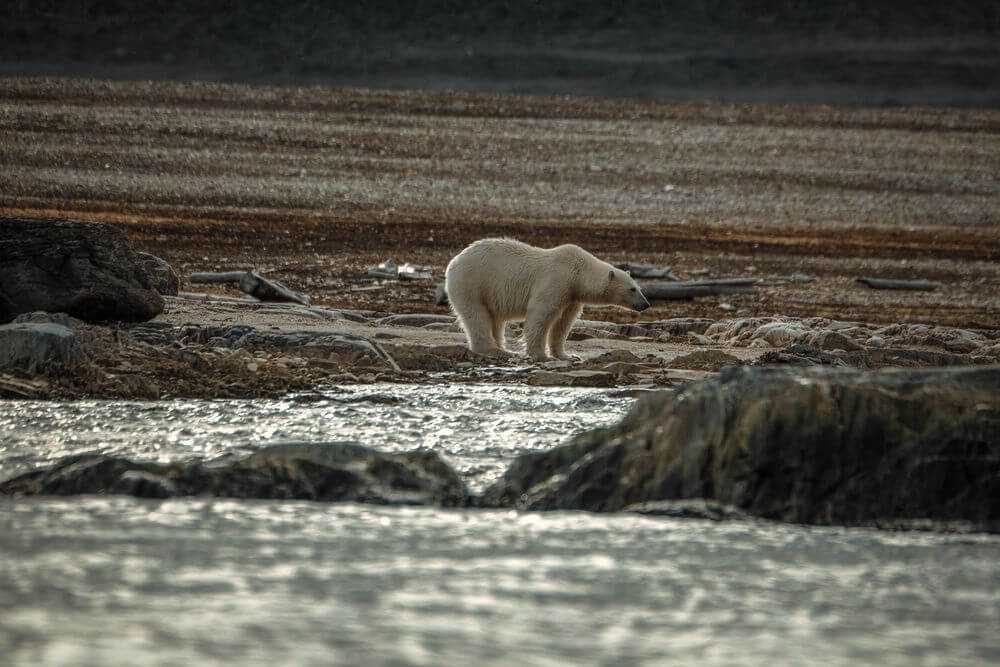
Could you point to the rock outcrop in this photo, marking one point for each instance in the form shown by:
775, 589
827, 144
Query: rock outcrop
36, 347
824, 334
84, 269
322, 471
162, 276
816, 446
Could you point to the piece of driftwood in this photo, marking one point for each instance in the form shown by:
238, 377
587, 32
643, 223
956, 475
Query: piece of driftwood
224, 277
390, 270
411, 272
691, 290
917, 285
646, 271
261, 288
254, 284
387, 269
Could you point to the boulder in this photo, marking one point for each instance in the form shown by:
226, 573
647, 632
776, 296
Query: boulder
41, 317
953, 340
580, 378
815, 446
161, 275
318, 471
705, 360
84, 269
34, 347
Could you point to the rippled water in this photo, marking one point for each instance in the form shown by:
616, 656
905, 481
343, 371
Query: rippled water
101, 581
478, 428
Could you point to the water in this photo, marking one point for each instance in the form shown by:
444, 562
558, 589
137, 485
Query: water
478, 428
99, 581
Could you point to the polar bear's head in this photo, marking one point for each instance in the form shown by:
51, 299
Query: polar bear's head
621, 290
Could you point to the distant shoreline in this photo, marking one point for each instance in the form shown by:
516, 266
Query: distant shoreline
888, 54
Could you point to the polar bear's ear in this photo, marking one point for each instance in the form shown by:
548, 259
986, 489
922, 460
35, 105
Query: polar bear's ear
611, 275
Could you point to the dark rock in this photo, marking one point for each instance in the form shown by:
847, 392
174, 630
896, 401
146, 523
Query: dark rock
818, 446
800, 354
704, 360
309, 343
161, 275
831, 340
880, 283
376, 399
688, 509
636, 392
37, 347
579, 378
142, 484
84, 269
322, 471
322, 342
678, 326
41, 317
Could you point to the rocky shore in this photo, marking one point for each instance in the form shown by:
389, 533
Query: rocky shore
89, 317
227, 349
894, 449
807, 420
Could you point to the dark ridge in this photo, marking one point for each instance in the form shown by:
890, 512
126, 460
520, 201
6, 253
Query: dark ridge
885, 53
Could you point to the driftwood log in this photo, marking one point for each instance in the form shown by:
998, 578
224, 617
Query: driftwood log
646, 270
254, 284
916, 285
691, 290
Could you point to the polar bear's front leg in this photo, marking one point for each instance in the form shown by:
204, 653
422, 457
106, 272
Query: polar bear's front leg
539, 320
560, 330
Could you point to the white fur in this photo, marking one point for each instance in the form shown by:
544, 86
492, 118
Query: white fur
494, 281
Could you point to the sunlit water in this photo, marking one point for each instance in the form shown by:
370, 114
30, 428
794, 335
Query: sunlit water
106, 581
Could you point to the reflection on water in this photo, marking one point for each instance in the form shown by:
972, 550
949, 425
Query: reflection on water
478, 428
101, 581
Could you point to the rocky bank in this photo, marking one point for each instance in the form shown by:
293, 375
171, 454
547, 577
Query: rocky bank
816, 446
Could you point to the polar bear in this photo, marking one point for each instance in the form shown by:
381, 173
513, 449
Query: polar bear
494, 281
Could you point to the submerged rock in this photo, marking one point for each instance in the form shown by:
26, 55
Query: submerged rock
688, 509
817, 446
323, 471
84, 269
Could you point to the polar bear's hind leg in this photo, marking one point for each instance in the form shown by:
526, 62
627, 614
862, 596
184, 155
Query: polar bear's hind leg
478, 325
